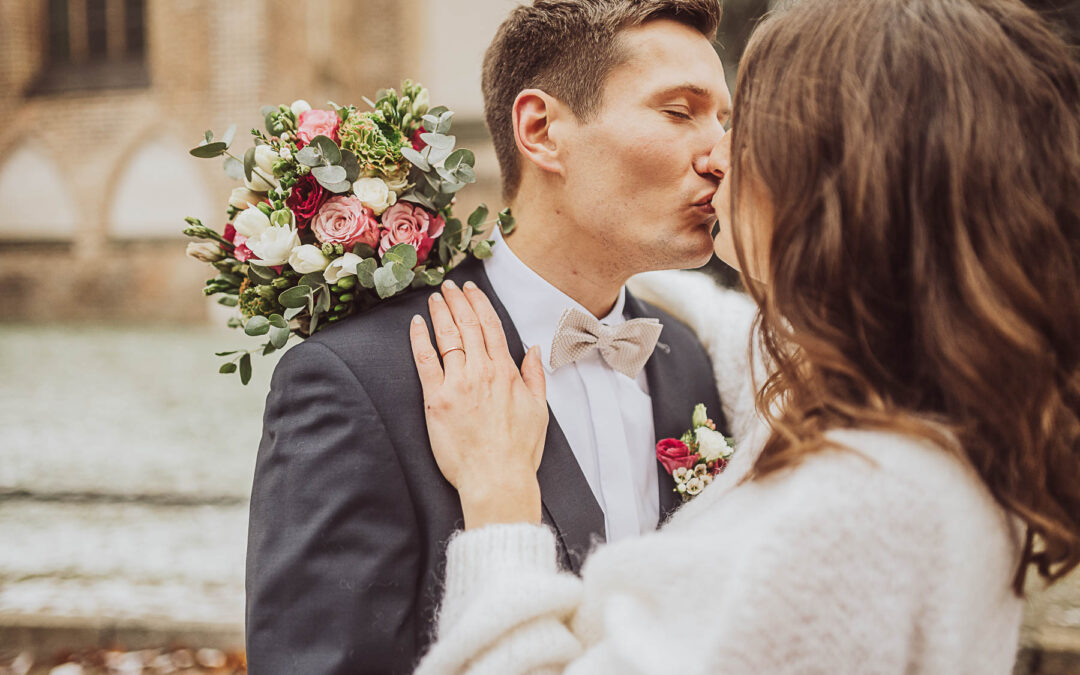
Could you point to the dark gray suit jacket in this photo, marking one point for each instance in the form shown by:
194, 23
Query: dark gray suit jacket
350, 515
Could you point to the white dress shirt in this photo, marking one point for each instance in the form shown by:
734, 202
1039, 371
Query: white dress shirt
605, 416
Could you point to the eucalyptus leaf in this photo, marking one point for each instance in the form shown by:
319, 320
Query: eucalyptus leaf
235, 351
465, 174
278, 321
234, 168
351, 164
297, 296
329, 174
337, 188
245, 369
483, 249
209, 150
293, 312
269, 348
328, 148
452, 231
227, 368
459, 157
249, 162
401, 253
506, 221
227, 139
312, 280
432, 277
437, 154
477, 217
449, 187
279, 336
322, 304
438, 140
392, 278
308, 156
228, 300
261, 275
365, 272
257, 325
363, 250
416, 159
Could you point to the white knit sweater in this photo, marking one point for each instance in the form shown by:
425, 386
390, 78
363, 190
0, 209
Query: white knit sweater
891, 559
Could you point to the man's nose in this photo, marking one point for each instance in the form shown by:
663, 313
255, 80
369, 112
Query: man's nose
718, 161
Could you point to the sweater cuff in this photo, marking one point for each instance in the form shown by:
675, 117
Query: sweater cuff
474, 557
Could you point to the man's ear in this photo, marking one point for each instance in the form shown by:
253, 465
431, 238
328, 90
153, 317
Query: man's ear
535, 113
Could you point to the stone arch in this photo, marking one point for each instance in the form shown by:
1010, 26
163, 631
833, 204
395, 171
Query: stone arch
36, 202
155, 187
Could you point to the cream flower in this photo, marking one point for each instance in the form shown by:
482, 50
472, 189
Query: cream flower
342, 267
375, 194
251, 222
274, 246
711, 444
307, 258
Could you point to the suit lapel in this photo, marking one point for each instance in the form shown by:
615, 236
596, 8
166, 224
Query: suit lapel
568, 500
670, 417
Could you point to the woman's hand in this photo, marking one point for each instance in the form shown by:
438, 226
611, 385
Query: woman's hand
486, 422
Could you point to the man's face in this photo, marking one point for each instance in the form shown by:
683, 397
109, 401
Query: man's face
638, 179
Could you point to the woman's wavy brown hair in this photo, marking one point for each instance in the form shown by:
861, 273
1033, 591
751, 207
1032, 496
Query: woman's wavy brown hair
922, 158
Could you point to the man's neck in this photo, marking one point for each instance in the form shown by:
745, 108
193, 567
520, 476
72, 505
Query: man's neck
548, 246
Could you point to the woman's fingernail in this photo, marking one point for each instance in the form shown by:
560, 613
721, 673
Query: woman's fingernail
470, 286
437, 297
449, 284
417, 319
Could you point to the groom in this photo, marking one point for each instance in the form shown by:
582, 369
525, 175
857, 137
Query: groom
603, 114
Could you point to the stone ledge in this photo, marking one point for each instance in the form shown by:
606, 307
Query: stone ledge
44, 634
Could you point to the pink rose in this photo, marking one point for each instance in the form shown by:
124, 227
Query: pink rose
408, 223
674, 454
344, 220
242, 253
314, 123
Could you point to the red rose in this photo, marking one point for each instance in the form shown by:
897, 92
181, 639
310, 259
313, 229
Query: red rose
673, 454
230, 232
306, 199
418, 143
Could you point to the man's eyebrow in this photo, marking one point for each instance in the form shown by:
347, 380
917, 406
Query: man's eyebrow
686, 87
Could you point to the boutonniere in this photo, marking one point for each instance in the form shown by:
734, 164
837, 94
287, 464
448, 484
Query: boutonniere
701, 453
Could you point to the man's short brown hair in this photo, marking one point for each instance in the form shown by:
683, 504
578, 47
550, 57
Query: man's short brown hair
567, 48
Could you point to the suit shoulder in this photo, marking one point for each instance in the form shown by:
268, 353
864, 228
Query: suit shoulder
675, 331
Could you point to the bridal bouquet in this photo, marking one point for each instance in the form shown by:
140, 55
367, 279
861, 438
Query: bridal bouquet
340, 209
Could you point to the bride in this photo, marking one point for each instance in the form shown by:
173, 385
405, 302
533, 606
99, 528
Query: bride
901, 191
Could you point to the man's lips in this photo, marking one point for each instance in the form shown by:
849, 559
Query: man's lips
705, 202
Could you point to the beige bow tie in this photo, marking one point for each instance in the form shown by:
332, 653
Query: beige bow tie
625, 347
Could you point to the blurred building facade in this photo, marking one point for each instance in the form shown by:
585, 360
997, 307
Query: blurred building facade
105, 97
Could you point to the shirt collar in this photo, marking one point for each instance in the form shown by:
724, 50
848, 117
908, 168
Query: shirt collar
534, 305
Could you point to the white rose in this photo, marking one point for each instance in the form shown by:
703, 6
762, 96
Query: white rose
251, 222
241, 198
375, 194
307, 259
711, 444
274, 245
264, 160
299, 106
342, 267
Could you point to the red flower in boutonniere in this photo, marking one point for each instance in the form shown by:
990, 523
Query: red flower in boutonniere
701, 453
